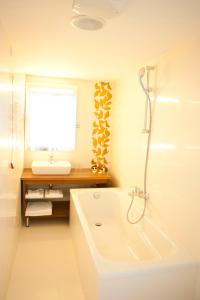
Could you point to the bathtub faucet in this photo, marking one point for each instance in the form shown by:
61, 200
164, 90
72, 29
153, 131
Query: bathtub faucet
136, 191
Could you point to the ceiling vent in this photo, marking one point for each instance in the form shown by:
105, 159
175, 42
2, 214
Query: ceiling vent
91, 14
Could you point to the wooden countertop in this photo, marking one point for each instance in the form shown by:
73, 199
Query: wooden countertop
84, 176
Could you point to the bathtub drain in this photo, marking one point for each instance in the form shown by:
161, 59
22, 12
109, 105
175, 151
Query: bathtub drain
98, 224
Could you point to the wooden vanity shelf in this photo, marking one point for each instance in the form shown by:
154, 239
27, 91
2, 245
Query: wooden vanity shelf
60, 208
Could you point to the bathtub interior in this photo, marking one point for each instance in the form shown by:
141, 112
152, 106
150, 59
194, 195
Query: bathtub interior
117, 240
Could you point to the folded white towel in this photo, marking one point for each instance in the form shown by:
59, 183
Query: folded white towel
50, 194
39, 209
35, 194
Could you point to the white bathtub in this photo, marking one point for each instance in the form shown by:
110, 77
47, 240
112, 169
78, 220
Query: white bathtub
120, 261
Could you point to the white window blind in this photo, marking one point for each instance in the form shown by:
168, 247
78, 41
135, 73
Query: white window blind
51, 118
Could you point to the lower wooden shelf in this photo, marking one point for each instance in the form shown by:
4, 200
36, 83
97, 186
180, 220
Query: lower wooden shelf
60, 209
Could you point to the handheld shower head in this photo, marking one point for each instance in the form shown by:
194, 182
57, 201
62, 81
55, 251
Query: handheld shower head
141, 72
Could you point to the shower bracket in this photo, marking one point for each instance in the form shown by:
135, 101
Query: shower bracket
145, 131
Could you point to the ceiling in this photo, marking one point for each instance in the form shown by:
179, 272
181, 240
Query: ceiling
45, 43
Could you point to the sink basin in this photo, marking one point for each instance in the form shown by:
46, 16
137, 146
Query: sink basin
51, 168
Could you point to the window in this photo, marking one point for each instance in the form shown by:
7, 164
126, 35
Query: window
51, 118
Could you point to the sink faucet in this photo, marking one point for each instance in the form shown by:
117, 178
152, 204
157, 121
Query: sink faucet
51, 158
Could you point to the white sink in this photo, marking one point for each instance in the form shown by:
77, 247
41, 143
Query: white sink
51, 168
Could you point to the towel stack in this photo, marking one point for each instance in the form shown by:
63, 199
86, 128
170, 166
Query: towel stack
38, 209
44, 194
35, 194
37, 206
53, 194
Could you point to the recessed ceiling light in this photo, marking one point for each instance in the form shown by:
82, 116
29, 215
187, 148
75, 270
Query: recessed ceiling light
87, 23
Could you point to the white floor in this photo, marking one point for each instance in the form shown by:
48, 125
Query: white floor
45, 267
